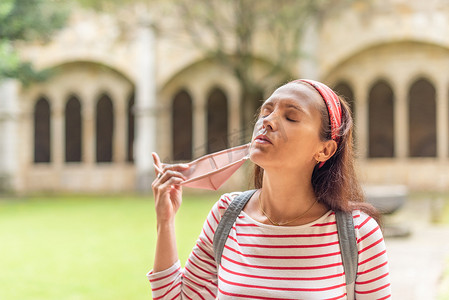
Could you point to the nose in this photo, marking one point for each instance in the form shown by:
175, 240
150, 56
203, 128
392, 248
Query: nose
270, 122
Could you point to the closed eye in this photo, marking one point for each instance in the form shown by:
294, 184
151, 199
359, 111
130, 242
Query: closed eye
292, 116
265, 113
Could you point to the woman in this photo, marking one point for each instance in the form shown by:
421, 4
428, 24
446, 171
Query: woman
284, 244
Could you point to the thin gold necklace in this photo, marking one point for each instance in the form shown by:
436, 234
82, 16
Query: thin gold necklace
284, 223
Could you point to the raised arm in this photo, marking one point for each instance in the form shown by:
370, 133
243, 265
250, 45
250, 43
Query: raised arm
198, 279
167, 197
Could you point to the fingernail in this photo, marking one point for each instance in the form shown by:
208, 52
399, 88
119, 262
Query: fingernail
184, 165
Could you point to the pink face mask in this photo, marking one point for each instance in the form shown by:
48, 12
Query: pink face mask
211, 171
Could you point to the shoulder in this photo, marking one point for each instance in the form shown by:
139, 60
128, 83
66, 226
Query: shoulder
218, 210
363, 222
372, 273
224, 202
227, 198
367, 229
216, 214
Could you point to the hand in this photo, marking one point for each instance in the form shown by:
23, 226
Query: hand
167, 189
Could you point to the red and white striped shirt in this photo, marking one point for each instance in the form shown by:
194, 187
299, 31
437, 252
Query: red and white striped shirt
273, 262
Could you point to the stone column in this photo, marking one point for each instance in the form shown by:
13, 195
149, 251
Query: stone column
164, 129
57, 130
308, 66
120, 129
361, 98
145, 106
9, 135
442, 121
88, 127
400, 120
199, 124
234, 130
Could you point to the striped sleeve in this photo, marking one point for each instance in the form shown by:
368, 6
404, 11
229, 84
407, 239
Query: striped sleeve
198, 279
373, 277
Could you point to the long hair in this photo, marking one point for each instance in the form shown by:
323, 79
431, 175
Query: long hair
335, 183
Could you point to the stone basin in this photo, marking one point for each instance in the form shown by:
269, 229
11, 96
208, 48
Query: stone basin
386, 198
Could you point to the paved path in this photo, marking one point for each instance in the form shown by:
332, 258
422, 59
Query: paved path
417, 261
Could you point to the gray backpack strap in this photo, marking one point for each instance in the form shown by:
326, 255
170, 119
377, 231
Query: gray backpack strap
226, 222
348, 248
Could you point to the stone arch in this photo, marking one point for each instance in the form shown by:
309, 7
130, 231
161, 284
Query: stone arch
219, 75
87, 80
381, 120
368, 24
197, 79
182, 126
42, 130
369, 62
55, 66
422, 119
217, 120
73, 129
104, 133
402, 63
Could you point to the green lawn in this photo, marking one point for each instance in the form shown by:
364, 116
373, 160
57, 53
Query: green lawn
92, 248
79, 248
444, 219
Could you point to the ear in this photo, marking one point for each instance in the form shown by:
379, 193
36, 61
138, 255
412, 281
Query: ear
326, 151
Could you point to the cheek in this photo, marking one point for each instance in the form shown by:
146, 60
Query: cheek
305, 139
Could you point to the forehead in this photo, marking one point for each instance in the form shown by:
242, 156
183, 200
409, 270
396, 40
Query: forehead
299, 94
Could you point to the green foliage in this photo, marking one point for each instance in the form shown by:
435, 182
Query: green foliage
9, 61
26, 20
12, 67
30, 19
228, 29
102, 5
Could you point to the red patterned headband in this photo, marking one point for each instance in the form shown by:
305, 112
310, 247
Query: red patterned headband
333, 106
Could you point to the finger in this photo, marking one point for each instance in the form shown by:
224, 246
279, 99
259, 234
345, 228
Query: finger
157, 160
157, 169
171, 182
167, 175
177, 187
175, 167
157, 165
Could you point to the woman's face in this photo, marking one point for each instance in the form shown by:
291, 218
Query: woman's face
287, 133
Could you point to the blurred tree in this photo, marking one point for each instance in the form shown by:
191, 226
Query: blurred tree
241, 35
26, 20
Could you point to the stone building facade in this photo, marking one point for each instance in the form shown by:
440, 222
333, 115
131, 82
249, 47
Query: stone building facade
118, 94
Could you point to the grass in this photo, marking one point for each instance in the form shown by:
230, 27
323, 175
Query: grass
444, 284
444, 217
94, 248
82, 248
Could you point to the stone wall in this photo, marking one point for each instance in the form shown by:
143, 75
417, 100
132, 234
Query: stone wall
396, 41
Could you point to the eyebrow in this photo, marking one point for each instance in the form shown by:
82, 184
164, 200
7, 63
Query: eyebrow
287, 104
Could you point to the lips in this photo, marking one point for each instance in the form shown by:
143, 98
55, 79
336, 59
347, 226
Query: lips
262, 139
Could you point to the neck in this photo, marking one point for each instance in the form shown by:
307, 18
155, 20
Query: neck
286, 195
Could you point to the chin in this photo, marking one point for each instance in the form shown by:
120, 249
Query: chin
259, 157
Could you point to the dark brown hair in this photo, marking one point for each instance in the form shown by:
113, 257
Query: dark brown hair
335, 184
